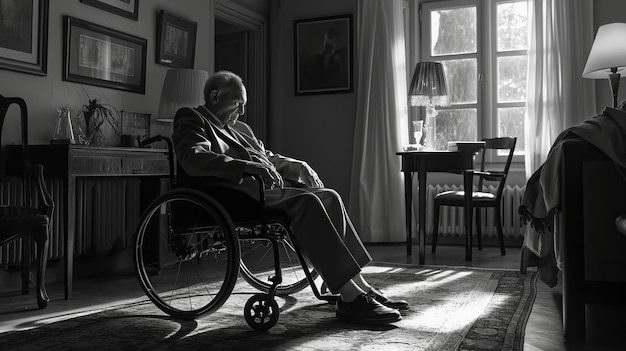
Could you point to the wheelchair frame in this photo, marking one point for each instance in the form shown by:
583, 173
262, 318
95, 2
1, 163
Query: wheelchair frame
189, 244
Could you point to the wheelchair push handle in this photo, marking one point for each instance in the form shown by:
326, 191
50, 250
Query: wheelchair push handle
170, 151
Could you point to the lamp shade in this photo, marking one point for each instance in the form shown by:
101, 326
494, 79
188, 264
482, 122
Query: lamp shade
428, 85
608, 51
181, 88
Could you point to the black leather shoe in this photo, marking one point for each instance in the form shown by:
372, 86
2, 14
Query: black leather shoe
378, 296
366, 310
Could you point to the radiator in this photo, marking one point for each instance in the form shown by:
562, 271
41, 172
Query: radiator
452, 219
107, 212
11, 194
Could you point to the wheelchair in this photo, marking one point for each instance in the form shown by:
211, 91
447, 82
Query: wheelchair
188, 252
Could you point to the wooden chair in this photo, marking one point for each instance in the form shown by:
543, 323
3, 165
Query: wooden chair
22, 215
480, 199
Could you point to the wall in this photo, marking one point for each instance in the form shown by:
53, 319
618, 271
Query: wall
44, 95
604, 12
316, 128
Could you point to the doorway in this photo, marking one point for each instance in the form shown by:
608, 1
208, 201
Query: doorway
231, 48
240, 46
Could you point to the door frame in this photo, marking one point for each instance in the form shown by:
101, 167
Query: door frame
227, 11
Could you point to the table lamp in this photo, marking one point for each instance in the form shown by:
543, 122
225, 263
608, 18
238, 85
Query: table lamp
181, 88
429, 88
607, 57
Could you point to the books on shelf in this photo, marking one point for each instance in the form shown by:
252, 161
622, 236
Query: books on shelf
469, 146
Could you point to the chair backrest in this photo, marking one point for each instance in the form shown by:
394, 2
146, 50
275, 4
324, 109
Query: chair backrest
5, 103
499, 175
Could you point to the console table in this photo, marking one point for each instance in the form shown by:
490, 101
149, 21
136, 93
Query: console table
423, 162
67, 165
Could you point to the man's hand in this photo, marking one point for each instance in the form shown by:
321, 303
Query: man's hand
309, 177
270, 176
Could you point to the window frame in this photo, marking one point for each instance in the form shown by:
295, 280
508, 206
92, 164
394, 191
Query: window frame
486, 60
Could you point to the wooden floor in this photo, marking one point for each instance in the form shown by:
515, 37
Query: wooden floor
543, 331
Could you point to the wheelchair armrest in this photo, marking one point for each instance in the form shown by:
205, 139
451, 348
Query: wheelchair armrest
170, 151
261, 184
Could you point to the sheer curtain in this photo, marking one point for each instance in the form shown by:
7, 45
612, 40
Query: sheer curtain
558, 97
376, 193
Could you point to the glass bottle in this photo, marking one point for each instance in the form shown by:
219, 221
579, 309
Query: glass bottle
63, 133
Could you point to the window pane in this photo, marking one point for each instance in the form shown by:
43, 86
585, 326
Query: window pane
511, 123
453, 31
511, 78
462, 79
451, 125
512, 26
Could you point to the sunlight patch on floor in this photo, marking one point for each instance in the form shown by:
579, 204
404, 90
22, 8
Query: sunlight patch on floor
53, 315
452, 315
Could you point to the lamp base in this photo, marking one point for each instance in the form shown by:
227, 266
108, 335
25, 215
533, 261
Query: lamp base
431, 135
614, 81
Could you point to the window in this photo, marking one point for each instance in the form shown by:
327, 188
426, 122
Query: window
483, 48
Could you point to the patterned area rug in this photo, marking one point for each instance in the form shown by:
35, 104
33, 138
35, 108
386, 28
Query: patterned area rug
452, 308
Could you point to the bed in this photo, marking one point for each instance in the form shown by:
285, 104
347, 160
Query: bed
587, 246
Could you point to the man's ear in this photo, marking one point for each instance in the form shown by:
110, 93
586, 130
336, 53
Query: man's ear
214, 96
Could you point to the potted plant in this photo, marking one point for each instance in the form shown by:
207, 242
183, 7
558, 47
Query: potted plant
96, 116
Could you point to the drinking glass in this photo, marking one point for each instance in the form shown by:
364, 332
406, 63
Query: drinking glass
417, 131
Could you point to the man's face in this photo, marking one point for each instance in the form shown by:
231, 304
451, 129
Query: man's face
230, 104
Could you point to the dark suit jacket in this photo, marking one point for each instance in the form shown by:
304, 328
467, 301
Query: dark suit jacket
209, 154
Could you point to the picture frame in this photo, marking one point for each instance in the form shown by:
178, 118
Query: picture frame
176, 41
104, 57
323, 55
135, 127
125, 8
24, 48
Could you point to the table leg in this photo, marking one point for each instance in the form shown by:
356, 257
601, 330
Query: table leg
69, 200
408, 204
421, 176
467, 186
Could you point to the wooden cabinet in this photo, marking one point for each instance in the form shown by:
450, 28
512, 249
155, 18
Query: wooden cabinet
83, 179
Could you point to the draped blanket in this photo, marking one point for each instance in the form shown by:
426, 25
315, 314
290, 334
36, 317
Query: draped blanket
541, 202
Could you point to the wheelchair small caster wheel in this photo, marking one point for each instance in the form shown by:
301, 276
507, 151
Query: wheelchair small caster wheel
261, 312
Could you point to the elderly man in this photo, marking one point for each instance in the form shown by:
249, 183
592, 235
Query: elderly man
213, 147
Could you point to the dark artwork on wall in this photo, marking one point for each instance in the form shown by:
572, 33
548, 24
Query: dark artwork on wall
24, 35
176, 41
323, 55
126, 8
104, 57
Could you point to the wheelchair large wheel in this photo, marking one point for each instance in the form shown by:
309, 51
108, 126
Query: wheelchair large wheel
186, 253
257, 261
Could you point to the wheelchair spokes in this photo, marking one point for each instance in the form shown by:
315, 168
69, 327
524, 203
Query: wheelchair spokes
186, 255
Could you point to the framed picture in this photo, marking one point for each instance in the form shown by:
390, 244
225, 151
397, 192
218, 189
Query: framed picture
104, 57
176, 41
135, 127
126, 8
24, 36
323, 55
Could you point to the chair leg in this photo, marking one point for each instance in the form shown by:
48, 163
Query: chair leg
42, 255
499, 228
26, 243
469, 228
436, 208
479, 230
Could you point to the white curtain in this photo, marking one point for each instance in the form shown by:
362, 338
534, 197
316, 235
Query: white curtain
376, 193
557, 95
